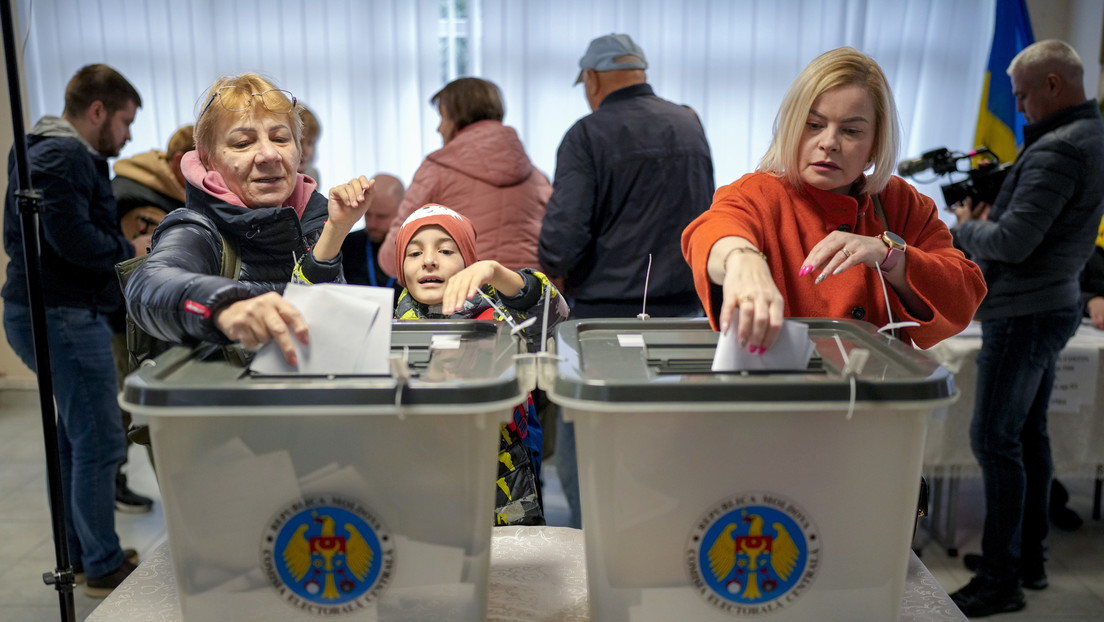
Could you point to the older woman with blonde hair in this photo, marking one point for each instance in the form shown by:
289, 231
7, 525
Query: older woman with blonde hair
245, 192
810, 234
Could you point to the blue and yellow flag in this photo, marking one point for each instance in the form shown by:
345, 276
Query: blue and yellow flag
999, 126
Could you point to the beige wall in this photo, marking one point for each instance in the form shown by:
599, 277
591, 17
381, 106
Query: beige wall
1079, 23
1049, 18
13, 373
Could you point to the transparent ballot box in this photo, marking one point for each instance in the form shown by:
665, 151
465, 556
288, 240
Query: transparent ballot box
356, 497
782, 495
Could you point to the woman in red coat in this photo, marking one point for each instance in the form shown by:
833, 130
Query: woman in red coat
811, 235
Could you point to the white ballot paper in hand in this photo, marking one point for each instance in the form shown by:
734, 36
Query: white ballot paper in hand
350, 331
792, 350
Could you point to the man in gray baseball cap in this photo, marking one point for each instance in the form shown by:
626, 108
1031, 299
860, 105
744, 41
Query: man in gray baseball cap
629, 178
611, 53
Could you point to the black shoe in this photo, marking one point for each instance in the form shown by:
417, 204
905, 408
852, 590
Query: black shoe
1060, 514
126, 500
78, 567
1065, 519
1034, 579
983, 597
100, 587
1031, 579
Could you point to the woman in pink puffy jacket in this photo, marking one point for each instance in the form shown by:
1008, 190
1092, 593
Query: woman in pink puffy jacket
483, 172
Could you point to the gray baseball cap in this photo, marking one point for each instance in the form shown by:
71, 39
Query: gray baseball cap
602, 51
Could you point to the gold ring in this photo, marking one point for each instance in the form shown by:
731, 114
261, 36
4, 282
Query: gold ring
743, 299
846, 253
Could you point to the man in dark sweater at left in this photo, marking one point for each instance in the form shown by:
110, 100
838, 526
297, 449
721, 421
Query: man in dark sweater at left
80, 244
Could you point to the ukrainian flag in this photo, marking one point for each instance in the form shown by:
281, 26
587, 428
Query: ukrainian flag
999, 126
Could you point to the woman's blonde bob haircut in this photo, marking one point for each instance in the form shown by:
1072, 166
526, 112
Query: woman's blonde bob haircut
213, 113
840, 67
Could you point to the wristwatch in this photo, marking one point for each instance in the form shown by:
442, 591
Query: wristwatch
895, 250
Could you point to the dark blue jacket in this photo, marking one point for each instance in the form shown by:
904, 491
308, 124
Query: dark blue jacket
629, 178
177, 292
79, 234
360, 261
1043, 225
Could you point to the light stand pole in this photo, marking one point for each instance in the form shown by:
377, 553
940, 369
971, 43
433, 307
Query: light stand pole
30, 202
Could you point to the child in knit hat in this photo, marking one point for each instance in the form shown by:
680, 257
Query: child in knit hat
443, 278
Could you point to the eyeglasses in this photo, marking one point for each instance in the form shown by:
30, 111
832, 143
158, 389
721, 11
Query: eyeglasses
236, 99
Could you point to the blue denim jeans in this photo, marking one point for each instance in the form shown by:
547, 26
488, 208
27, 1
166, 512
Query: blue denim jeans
89, 428
1009, 435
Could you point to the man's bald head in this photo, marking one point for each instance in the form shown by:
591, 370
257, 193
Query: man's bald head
387, 196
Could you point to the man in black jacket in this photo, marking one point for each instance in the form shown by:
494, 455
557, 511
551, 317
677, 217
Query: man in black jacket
629, 178
1031, 247
80, 244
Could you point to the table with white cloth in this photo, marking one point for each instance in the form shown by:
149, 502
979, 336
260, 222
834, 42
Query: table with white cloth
1075, 421
537, 573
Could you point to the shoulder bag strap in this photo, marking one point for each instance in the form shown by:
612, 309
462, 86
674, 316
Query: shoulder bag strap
231, 259
235, 354
877, 199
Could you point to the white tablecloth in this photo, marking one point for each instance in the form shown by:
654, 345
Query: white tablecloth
1075, 417
537, 573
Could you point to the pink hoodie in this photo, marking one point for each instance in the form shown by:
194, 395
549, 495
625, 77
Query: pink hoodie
484, 174
213, 184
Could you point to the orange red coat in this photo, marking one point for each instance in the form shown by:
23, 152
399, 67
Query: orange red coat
786, 222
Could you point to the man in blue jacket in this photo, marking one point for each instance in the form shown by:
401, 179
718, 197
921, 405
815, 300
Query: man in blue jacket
1031, 246
629, 178
80, 244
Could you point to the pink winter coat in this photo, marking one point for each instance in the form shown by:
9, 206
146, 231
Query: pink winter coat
484, 174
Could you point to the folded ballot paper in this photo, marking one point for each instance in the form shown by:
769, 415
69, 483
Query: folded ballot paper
350, 331
792, 350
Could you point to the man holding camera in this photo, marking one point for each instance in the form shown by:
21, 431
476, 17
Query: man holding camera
1031, 245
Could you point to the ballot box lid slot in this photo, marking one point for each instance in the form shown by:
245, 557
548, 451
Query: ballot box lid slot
478, 368
664, 365
670, 360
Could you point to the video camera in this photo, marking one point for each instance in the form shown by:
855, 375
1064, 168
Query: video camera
982, 182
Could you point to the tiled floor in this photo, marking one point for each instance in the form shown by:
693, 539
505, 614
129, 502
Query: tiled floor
26, 540
1076, 570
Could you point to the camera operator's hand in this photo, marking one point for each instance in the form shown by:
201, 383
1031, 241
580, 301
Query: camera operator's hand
1096, 311
966, 210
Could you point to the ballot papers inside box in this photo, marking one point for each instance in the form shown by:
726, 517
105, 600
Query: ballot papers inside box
362, 495
783, 493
